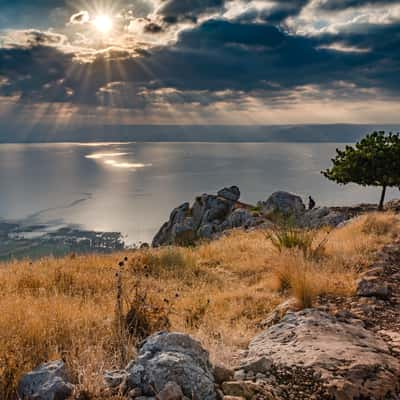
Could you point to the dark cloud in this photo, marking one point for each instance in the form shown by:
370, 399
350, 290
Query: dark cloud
177, 10
152, 27
32, 72
214, 61
335, 5
277, 13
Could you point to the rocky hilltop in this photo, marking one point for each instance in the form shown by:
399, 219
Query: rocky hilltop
210, 215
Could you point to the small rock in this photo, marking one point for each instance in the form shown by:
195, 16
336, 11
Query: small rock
373, 287
113, 379
262, 365
135, 393
222, 374
239, 375
238, 388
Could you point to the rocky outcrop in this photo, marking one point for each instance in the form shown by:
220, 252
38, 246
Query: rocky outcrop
342, 359
208, 216
47, 382
163, 359
319, 217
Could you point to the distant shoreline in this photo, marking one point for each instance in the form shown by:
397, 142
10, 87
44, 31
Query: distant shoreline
325, 133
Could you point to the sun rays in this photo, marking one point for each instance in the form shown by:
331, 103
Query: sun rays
103, 23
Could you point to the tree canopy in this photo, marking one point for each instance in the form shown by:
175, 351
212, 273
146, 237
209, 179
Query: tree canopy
374, 161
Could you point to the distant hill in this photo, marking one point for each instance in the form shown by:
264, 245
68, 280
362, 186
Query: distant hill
14, 133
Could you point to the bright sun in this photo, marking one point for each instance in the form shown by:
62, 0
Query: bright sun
103, 23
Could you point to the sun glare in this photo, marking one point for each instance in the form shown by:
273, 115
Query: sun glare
103, 23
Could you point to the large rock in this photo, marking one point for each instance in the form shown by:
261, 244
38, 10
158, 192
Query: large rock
350, 361
47, 382
179, 229
283, 202
240, 218
171, 357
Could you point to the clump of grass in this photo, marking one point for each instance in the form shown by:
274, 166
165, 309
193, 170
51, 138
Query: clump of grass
286, 237
305, 289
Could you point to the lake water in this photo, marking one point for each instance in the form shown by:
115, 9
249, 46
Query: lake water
132, 187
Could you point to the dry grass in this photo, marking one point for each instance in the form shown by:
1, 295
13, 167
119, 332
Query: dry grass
217, 291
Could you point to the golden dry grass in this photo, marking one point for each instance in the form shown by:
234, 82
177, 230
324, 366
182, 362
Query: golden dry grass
217, 291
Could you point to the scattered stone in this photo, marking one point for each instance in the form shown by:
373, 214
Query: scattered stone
115, 378
393, 339
222, 374
135, 393
171, 391
249, 390
239, 375
47, 382
257, 365
372, 286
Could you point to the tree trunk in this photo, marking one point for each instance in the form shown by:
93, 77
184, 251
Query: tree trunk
380, 208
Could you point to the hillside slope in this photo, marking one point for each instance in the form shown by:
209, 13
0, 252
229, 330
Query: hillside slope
90, 310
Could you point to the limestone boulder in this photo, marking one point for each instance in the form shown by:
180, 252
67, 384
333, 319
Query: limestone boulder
49, 381
166, 361
349, 361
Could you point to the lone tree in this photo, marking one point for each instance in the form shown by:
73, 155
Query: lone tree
374, 161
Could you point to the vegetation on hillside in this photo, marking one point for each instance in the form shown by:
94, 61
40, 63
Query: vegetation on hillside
91, 310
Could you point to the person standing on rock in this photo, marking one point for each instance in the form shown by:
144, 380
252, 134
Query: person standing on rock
311, 203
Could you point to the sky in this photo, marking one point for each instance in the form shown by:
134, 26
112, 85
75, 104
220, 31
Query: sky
244, 62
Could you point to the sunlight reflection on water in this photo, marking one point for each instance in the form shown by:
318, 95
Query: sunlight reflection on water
98, 156
117, 164
109, 159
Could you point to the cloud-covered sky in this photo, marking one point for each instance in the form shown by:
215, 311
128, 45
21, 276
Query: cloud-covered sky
200, 61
